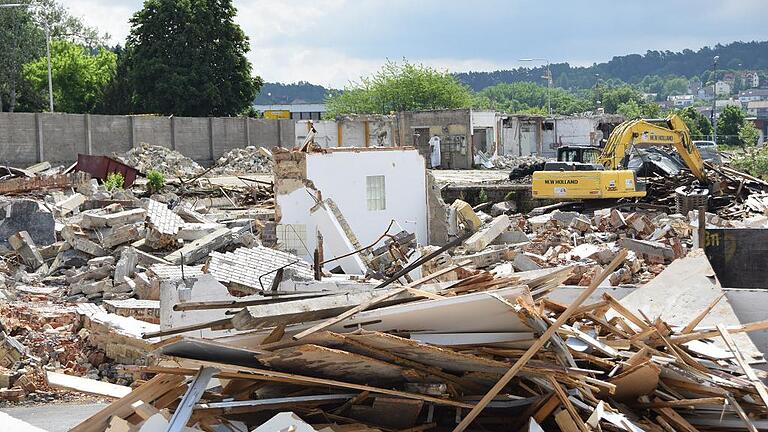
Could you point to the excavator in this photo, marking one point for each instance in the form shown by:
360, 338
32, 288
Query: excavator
585, 173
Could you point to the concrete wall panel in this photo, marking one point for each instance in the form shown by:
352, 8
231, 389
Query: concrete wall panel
17, 139
264, 133
228, 134
63, 136
152, 130
110, 134
193, 137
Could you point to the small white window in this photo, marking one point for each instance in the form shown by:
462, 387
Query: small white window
292, 238
375, 193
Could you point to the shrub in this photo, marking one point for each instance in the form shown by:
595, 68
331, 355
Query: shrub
753, 161
114, 181
156, 180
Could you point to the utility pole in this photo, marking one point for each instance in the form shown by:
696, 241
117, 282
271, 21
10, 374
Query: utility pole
714, 99
549, 81
50, 76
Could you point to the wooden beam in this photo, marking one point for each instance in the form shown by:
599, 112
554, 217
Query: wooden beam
742, 362
698, 318
563, 396
267, 375
708, 334
618, 260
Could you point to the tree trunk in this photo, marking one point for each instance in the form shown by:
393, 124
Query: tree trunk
1, 101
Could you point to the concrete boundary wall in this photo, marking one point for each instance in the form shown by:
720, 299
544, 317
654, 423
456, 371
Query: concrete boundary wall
27, 138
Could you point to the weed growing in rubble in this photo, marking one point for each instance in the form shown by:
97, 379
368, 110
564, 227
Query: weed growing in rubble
156, 180
483, 196
114, 181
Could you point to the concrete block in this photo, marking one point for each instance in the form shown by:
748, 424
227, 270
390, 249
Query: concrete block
479, 240
466, 214
523, 262
121, 235
617, 219
98, 220
26, 215
69, 204
564, 218
22, 243
91, 288
194, 231
581, 224
126, 265
199, 249
648, 249
84, 245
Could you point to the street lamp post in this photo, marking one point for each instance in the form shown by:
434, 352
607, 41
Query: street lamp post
714, 98
47, 52
549, 81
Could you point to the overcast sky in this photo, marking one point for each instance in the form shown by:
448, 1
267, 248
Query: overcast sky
331, 42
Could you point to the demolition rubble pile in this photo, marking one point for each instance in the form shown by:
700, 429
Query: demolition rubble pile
480, 352
172, 305
169, 162
79, 270
520, 166
248, 160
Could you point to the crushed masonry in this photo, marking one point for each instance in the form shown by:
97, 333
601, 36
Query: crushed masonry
188, 309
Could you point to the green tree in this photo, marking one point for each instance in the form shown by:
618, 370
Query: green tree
611, 98
699, 126
187, 57
631, 109
22, 39
400, 87
529, 97
729, 123
748, 134
78, 77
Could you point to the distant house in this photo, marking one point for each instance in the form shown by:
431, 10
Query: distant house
758, 109
729, 78
722, 88
751, 79
705, 93
747, 96
681, 101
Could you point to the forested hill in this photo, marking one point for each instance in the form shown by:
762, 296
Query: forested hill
633, 67
300, 92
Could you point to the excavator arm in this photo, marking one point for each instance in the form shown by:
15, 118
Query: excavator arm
671, 131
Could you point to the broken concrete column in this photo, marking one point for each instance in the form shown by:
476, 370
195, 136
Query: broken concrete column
479, 240
126, 265
22, 243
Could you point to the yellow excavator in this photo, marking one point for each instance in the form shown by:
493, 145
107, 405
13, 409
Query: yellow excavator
581, 173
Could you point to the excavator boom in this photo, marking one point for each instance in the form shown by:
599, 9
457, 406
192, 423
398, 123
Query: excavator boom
671, 131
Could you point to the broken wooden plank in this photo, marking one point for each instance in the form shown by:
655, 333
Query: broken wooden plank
744, 365
86, 385
619, 259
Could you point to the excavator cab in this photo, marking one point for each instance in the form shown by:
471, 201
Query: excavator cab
576, 158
